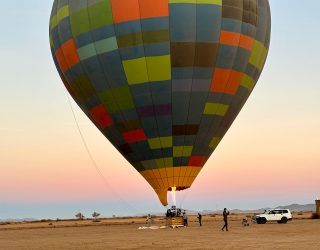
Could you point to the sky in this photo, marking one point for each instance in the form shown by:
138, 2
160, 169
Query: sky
269, 157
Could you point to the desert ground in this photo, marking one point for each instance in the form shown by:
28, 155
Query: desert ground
123, 233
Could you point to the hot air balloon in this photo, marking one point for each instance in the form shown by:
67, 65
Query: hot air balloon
163, 80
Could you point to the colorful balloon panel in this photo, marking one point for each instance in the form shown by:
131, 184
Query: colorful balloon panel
163, 80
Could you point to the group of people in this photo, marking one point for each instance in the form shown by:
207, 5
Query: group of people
177, 212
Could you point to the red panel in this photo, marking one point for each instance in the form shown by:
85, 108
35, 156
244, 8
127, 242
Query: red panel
101, 117
197, 160
61, 61
135, 135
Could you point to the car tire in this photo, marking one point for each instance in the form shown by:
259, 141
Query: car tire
279, 222
284, 220
263, 220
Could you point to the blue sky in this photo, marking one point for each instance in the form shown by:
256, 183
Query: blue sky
283, 115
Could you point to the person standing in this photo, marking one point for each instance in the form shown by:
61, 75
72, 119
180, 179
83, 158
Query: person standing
185, 218
200, 219
225, 219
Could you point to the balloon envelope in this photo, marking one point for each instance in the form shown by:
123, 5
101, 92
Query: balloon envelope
163, 80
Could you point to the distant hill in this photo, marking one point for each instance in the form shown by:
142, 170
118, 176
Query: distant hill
292, 207
18, 220
299, 208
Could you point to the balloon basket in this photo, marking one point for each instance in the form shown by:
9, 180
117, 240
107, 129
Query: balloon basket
175, 222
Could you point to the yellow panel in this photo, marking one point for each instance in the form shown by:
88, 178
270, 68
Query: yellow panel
156, 173
188, 172
165, 182
161, 183
183, 171
181, 182
176, 171
163, 172
171, 182
169, 172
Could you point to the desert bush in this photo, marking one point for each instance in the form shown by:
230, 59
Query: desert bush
315, 216
80, 216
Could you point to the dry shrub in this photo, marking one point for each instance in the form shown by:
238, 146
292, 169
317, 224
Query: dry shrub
315, 216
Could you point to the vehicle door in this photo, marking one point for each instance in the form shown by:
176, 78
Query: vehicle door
272, 215
278, 215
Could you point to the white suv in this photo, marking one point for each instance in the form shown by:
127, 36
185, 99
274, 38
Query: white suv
279, 215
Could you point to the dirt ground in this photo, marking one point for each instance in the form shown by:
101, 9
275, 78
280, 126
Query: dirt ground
301, 233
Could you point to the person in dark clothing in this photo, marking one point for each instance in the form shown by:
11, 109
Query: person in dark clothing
200, 219
225, 219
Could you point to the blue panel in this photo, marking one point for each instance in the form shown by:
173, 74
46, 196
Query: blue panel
132, 52
113, 68
231, 25
208, 22
159, 23
157, 49
128, 27
241, 60
226, 55
182, 28
164, 125
103, 33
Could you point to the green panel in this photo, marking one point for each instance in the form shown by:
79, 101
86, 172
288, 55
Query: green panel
164, 162
166, 142
121, 94
136, 70
160, 142
214, 142
215, 109
79, 22
182, 151
216, 2
247, 82
258, 55
101, 13
159, 68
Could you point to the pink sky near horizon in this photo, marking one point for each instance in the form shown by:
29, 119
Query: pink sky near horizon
270, 155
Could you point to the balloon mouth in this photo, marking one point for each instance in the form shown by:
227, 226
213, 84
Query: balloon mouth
177, 188
163, 196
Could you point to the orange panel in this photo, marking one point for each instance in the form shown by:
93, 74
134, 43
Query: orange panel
70, 53
234, 82
246, 42
125, 10
226, 81
155, 8
220, 80
230, 38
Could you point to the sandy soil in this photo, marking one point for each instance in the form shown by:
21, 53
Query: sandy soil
124, 234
